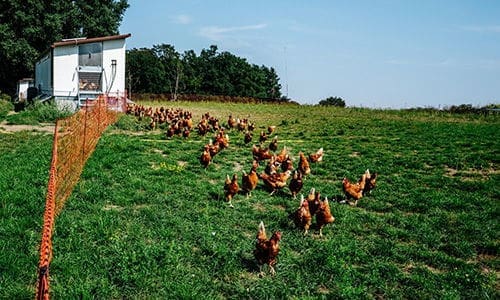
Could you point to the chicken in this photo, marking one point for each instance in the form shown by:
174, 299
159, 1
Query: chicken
261, 234
188, 122
248, 137
242, 124
273, 146
186, 132
304, 164
152, 124
271, 166
323, 215
317, 156
354, 190
203, 127
170, 132
214, 148
296, 184
370, 182
205, 157
222, 139
263, 137
313, 199
275, 181
311, 195
260, 153
270, 129
302, 216
231, 122
249, 181
266, 251
287, 164
282, 156
231, 188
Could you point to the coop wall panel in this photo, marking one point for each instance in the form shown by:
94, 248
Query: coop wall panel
65, 71
114, 80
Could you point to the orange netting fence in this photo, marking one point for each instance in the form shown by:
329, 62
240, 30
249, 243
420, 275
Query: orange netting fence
75, 138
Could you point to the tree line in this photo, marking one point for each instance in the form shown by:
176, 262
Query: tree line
163, 70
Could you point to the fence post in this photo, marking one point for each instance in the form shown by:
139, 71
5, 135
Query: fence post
99, 108
84, 131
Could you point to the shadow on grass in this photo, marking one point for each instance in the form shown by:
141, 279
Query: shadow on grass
249, 263
215, 196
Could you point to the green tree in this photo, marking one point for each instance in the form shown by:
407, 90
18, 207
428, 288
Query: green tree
208, 70
272, 85
333, 101
144, 72
170, 61
28, 28
192, 78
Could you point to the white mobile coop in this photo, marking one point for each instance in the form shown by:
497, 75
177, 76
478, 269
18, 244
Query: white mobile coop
76, 71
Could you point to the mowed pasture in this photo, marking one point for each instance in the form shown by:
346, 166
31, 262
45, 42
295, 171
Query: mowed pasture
146, 220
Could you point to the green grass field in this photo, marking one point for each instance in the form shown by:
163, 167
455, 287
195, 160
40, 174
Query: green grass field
147, 221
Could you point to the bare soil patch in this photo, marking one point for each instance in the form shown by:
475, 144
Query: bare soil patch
471, 173
46, 127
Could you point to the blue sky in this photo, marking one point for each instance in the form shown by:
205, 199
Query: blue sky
372, 53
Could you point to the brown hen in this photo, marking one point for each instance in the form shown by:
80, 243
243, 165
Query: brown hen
231, 188
260, 153
248, 137
282, 156
354, 190
323, 215
249, 181
317, 156
275, 181
370, 182
205, 157
304, 164
296, 184
273, 146
266, 251
262, 137
302, 216
313, 200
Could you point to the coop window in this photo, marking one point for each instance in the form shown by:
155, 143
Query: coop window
89, 81
90, 54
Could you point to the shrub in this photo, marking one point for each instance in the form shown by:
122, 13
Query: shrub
333, 101
5, 107
39, 113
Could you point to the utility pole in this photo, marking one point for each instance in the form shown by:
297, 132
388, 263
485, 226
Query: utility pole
286, 74
177, 80
129, 84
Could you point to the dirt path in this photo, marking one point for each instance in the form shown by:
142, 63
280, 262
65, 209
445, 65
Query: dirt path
6, 128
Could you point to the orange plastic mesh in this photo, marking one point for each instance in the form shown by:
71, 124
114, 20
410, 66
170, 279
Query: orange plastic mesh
75, 138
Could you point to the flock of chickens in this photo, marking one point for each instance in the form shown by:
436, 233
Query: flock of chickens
279, 171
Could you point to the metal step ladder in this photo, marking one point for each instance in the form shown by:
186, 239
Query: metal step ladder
87, 98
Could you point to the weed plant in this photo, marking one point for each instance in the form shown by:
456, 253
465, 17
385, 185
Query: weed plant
147, 221
37, 113
5, 108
